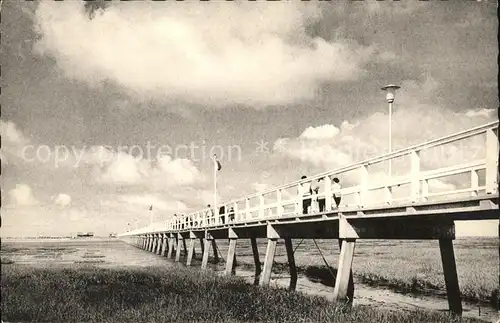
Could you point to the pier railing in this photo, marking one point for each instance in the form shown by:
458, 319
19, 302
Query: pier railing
475, 174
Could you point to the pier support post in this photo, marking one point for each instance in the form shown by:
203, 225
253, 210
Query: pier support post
231, 253
160, 243
450, 275
180, 241
202, 242
157, 242
268, 261
256, 260
344, 283
184, 247
206, 250
153, 243
150, 242
231, 257
171, 246
190, 252
192, 239
291, 263
165, 244
216, 253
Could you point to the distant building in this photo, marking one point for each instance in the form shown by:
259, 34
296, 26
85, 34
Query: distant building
112, 235
84, 234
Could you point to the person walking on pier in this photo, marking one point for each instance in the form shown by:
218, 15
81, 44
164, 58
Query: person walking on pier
222, 214
319, 189
336, 187
206, 214
231, 215
304, 192
175, 220
210, 215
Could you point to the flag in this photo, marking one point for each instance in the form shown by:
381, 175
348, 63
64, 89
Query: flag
217, 163
151, 208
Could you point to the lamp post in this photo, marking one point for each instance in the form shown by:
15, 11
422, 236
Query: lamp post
391, 90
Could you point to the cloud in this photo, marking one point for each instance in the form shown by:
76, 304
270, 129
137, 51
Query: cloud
13, 141
486, 113
123, 168
22, 195
120, 167
180, 170
259, 187
403, 8
11, 134
224, 53
62, 199
321, 132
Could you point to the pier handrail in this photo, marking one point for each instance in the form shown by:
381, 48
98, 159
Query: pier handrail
416, 178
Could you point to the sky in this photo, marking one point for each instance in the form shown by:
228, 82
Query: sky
110, 107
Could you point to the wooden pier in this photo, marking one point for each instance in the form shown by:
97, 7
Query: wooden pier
369, 209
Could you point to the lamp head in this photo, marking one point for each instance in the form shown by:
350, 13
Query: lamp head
391, 90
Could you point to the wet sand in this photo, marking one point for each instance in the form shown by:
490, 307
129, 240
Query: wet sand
380, 298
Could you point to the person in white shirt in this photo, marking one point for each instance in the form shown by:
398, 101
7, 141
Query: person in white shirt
336, 187
304, 191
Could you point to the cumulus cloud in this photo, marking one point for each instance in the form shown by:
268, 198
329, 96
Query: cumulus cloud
62, 199
11, 134
13, 141
179, 170
259, 187
327, 131
22, 195
123, 168
486, 113
251, 53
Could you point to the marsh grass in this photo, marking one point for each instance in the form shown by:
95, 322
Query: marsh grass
6, 261
408, 267
175, 294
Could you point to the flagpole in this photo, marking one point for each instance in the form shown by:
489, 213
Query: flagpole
215, 184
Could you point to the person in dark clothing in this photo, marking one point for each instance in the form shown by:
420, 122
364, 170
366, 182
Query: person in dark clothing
231, 215
176, 221
336, 187
304, 191
321, 199
222, 211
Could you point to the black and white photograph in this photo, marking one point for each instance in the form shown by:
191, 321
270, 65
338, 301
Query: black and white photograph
250, 161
